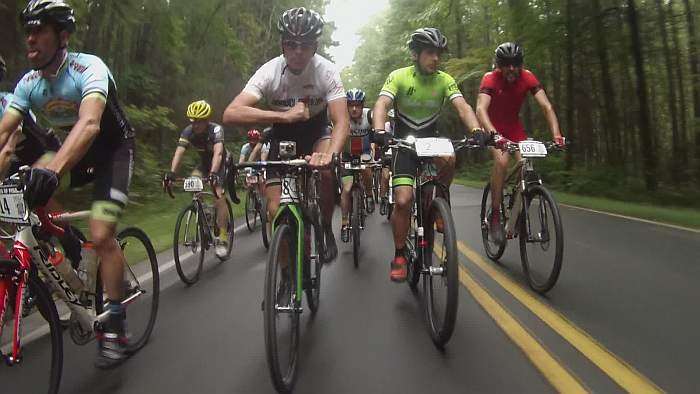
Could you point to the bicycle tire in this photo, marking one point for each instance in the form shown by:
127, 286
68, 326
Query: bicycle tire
125, 237
47, 309
198, 245
442, 322
283, 377
493, 251
250, 203
356, 196
551, 279
312, 271
266, 228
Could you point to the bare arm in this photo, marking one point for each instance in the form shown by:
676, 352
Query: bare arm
10, 122
381, 107
482, 112
217, 158
255, 153
242, 111
543, 101
341, 124
81, 136
466, 113
6, 153
177, 158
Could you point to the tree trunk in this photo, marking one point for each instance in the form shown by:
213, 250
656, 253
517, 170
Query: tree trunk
680, 80
676, 168
570, 86
649, 159
695, 74
612, 123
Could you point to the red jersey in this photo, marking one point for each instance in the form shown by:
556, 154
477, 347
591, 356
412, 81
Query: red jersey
506, 100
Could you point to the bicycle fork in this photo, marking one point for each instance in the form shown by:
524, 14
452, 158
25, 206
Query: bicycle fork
13, 275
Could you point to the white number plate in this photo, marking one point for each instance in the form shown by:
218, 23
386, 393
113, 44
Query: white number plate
290, 193
532, 149
432, 147
252, 179
193, 184
12, 207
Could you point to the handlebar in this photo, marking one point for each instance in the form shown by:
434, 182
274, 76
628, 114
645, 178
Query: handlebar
167, 185
409, 143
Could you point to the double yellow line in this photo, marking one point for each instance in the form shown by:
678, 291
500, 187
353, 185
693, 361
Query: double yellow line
559, 377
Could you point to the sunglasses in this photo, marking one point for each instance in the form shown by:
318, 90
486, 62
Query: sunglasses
506, 63
292, 45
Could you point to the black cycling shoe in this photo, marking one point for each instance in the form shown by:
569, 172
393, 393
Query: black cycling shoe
331, 250
383, 204
345, 233
113, 343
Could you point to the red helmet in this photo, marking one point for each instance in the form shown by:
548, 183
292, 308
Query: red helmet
253, 135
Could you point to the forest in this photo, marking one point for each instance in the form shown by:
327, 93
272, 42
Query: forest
623, 75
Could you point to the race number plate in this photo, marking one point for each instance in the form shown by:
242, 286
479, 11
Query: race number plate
432, 147
193, 184
12, 206
290, 193
252, 179
532, 149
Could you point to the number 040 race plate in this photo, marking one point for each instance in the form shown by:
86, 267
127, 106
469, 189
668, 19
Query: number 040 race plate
12, 207
193, 184
532, 149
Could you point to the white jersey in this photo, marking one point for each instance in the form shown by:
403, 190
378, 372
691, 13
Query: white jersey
317, 85
363, 127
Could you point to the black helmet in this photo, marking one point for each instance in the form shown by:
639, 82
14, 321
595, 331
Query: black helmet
427, 37
509, 53
56, 12
3, 68
301, 24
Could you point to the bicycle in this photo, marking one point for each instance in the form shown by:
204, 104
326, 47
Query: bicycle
294, 263
256, 205
35, 266
386, 204
523, 182
201, 218
431, 218
359, 206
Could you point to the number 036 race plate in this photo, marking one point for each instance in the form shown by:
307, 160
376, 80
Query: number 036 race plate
193, 184
12, 206
432, 147
532, 149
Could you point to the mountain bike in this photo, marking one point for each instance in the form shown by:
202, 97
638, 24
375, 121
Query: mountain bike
294, 264
432, 243
35, 267
359, 204
531, 214
196, 230
386, 200
256, 205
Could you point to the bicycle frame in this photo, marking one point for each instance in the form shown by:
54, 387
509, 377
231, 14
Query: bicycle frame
517, 179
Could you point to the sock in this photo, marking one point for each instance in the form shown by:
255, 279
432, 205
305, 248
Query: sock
223, 234
117, 315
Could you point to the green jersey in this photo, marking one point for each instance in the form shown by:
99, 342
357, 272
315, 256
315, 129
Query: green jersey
418, 99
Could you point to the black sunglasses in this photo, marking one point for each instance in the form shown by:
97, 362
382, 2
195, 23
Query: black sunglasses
291, 44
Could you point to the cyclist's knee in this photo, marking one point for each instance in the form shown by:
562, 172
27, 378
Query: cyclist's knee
403, 198
102, 235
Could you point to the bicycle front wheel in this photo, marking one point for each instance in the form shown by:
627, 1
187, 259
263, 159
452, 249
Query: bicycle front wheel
188, 248
250, 211
355, 224
493, 249
441, 284
541, 239
266, 229
280, 309
41, 357
142, 282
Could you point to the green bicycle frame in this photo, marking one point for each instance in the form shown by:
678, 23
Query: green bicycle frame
293, 211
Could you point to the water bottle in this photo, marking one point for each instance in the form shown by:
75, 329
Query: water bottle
88, 266
63, 266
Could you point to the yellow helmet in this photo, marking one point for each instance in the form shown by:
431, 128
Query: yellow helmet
199, 110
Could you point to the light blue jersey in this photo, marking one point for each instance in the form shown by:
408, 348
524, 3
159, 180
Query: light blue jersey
5, 98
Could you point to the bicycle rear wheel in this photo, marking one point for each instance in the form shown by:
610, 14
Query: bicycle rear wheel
441, 284
355, 224
250, 211
493, 249
142, 281
188, 248
40, 357
540, 259
280, 309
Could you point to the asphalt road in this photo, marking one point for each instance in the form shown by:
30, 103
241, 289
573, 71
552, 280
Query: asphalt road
623, 317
